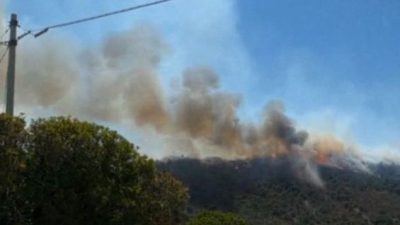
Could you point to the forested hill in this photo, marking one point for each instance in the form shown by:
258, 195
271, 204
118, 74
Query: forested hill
267, 191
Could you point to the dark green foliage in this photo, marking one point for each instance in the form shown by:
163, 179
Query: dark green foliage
77, 167
69, 172
167, 203
265, 191
214, 183
12, 163
216, 218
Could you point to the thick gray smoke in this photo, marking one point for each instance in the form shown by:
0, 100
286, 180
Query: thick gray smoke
119, 82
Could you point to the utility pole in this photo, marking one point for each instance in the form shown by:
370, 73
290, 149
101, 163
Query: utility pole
12, 45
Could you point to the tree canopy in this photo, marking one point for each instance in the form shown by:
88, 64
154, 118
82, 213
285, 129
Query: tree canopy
64, 171
12, 163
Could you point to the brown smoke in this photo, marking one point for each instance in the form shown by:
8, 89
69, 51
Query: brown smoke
46, 71
143, 100
120, 82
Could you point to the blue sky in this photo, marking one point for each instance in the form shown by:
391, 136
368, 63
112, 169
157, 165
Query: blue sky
335, 64
344, 57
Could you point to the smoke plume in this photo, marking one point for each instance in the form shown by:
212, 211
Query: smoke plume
120, 82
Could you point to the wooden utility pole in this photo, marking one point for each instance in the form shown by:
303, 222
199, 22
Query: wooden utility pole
12, 45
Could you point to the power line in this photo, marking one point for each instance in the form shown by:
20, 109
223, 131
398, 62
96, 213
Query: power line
2, 38
3, 55
25, 32
5, 32
18, 38
12, 44
73, 22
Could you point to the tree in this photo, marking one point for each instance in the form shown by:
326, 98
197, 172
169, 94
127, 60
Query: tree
169, 199
12, 163
217, 218
80, 173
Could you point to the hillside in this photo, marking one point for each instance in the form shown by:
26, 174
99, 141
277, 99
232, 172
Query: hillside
268, 191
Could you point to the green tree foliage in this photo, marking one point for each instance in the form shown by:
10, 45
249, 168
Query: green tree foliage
81, 173
169, 199
217, 218
12, 163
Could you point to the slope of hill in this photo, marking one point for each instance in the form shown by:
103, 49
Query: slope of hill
268, 191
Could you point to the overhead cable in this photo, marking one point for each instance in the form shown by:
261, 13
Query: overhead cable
4, 34
73, 22
3, 55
